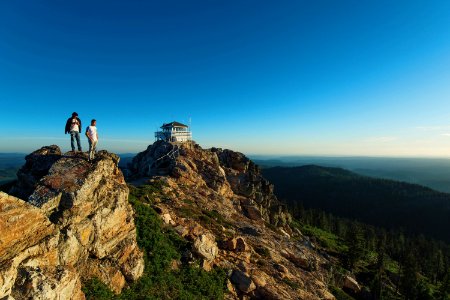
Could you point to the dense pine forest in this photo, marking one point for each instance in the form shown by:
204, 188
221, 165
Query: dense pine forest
390, 263
405, 256
385, 203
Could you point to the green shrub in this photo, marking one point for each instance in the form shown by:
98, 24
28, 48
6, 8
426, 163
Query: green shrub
94, 289
326, 239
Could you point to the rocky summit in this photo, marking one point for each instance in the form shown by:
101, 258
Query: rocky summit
218, 201
66, 220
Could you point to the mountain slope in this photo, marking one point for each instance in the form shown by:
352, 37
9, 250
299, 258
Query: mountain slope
226, 211
386, 203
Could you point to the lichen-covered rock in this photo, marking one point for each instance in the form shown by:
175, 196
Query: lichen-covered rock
55, 283
27, 236
205, 246
77, 216
21, 225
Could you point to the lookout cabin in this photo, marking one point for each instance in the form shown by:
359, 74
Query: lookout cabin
174, 132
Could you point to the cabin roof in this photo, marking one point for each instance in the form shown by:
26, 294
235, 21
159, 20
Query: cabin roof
173, 124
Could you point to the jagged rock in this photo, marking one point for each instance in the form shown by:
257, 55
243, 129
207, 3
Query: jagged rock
36, 166
231, 289
205, 246
235, 244
351, 284
37, 283
167, 219
283, 271
273, 292
26, 236
21, 225
283, 232
250, 231
80, 217
252, 212
242, 281
260, 278
298, 259
225, 172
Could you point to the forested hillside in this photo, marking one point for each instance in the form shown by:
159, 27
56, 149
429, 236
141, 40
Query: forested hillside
380, 202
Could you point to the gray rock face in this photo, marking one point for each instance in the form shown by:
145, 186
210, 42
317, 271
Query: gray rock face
82, 207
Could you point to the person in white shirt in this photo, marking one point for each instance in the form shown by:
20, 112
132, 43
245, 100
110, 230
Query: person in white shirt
92, 135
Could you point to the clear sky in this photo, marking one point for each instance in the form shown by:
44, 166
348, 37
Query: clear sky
260, 77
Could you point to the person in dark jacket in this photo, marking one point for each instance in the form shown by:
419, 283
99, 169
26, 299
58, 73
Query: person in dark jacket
73, 126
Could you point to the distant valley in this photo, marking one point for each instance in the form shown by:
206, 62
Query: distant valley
380, 202
9, 165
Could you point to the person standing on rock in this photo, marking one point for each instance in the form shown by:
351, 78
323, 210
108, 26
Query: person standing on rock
73, 126
92, 135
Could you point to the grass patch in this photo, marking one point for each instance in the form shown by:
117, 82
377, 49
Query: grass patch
327, 240
187, 212
213, 217
188, 201
94, 289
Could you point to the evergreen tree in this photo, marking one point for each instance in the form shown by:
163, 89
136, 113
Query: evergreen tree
444, 290
409, 280
355, 242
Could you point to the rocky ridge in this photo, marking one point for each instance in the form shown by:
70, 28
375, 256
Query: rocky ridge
216, 172
218, 200
66, 220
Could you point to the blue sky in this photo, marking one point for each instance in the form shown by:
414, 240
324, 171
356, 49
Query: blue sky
261, 77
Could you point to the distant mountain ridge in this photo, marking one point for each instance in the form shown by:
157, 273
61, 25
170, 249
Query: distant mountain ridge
430, 172
381, 202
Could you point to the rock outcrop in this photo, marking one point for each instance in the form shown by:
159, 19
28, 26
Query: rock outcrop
227, 173
74, 223
218, 201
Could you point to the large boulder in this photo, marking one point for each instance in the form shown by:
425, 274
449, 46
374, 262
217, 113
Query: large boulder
53, 283
205, 246
79, 212
242, 281
36, 166
27, 237
351, 284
